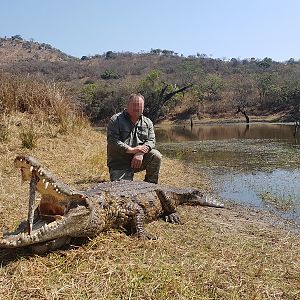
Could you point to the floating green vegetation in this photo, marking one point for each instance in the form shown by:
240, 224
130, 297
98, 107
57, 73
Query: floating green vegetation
285, 204
238, 155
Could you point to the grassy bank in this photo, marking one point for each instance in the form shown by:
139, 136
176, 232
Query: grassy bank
233, 253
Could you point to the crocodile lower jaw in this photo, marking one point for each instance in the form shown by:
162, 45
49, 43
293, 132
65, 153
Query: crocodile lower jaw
40, 231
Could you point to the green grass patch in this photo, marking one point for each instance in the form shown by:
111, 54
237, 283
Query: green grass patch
285, 204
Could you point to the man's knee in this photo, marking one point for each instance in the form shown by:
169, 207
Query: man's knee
156, 155
153, 167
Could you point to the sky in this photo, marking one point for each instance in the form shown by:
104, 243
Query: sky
218, 28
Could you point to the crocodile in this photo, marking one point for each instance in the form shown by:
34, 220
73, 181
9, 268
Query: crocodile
64, 212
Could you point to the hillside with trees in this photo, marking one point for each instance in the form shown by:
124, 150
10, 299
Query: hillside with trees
175, 87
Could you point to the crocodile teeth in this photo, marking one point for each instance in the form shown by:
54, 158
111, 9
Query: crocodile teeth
5, 242
35, 238
50, 226
23, 237
43, 230
46, 184
31, 168
39, 234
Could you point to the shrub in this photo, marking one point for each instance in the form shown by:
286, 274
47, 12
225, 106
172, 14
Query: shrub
28, 137
109, 75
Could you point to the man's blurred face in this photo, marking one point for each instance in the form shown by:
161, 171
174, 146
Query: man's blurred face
135, 107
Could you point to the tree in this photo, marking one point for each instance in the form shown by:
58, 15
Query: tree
243, 111
190, 72
243, 93
101, 100
213, 87
290, 94
291, 61
234, 62
156, 51
167, 52
268, 89
110, 54
157, 93
197, 95
265, 63
17, 37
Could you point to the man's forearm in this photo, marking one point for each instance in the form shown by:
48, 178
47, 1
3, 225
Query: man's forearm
138, 149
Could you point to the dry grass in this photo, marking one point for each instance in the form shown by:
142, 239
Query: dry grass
47, 103
217, 254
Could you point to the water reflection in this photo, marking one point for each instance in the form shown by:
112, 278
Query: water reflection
258, 163
226, 131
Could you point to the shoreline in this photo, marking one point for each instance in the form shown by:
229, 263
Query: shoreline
227, 119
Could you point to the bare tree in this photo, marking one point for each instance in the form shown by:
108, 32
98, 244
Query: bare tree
154, 107
243, 111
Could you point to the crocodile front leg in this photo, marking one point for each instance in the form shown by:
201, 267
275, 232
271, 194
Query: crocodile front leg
136, 221
169, 207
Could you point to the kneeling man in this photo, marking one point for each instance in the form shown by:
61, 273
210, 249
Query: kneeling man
131, 143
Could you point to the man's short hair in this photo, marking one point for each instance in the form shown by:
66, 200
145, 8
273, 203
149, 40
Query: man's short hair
135, 96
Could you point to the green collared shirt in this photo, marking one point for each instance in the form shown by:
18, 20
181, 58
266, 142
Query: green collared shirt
122, 134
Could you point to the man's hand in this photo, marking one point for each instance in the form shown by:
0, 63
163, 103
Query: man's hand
138, 149
137, 160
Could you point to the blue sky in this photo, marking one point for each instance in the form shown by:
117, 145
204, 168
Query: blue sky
221, 29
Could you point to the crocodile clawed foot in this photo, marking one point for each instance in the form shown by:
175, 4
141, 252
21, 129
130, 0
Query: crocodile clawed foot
173, 218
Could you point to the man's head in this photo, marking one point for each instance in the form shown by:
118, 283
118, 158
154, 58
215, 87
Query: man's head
135, 106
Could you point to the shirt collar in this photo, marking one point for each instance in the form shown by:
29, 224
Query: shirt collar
127, 115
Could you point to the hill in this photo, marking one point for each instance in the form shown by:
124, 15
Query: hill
15, 49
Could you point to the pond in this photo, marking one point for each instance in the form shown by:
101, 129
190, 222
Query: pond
256, 164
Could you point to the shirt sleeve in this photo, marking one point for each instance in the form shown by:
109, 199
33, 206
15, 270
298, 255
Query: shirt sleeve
150, 142
114, 137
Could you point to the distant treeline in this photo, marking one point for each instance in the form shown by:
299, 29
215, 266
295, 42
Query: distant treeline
173, 85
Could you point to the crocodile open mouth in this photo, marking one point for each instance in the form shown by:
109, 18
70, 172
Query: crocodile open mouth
54, 215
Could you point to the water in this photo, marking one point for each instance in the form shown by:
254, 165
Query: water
257, 164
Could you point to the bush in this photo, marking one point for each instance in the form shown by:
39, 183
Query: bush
109, 75
28, 137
